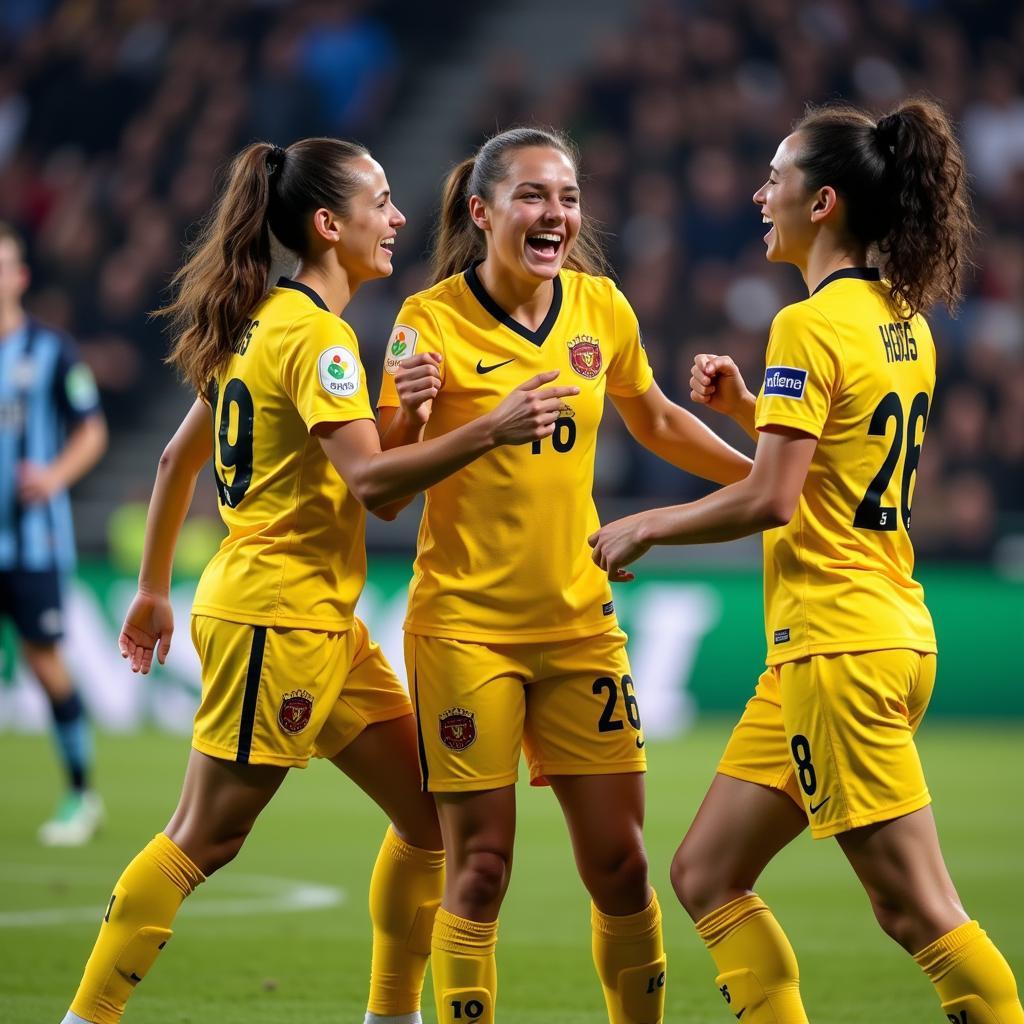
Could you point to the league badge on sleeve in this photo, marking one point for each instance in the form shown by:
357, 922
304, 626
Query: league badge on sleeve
339, 372
401, 345
785, 382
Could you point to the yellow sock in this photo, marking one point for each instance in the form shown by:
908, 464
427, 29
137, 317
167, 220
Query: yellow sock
405, 892
464, 969
136, 926
630, 961
972, 978
758, 974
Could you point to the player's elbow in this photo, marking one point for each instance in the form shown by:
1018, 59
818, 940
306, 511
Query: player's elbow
387, 513
777, 510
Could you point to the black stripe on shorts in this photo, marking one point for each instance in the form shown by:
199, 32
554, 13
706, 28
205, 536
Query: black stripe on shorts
424, 771
252, 692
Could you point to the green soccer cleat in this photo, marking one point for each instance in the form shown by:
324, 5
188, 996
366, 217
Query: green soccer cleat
77, 820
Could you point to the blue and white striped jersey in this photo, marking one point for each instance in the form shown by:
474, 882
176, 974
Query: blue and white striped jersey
45, 391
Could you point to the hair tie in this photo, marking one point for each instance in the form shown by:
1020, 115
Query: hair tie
886, 131
275, 159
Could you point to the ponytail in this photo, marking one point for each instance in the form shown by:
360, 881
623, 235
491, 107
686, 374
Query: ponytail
458, 242
224, 278
904, 185
225, 275
926, 249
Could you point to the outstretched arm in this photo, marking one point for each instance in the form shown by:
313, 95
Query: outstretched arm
680, 438
765, 499
149, 622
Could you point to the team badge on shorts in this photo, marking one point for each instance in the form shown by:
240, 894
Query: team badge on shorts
458, 728
585, 355
296, 708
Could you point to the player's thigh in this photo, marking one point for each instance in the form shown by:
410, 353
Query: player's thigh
583, 712
266, 692
757, 750
470, 706
372, 693
850, 722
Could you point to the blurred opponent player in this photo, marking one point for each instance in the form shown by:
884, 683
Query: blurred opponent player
288, 672
828, 737
52, 432
511, 637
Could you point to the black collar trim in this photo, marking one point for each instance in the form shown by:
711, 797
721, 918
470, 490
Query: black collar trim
537, 337
287, 282
860, 273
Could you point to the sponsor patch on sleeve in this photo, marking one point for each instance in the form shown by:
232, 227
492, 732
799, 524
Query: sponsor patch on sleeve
401, 345
339, 372
785, 381
80, 387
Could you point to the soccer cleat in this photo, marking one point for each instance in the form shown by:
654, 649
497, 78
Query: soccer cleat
401, 1018
77, 820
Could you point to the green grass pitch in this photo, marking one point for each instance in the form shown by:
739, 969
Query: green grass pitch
244, 952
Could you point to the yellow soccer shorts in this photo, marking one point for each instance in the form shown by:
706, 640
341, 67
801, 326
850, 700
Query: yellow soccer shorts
836, 732
569, 705
281, 696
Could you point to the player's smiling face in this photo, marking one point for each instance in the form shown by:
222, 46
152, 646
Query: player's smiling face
786, 206
369, 228
534, 218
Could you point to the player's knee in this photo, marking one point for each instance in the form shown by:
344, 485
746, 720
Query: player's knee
695, 883
483, 878
619, 875
912, 924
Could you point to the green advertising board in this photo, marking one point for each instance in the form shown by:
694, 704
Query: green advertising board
696, 645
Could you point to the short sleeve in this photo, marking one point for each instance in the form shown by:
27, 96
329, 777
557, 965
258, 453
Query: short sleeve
803, 372
415, 330
75, 391
629, 372
321, 372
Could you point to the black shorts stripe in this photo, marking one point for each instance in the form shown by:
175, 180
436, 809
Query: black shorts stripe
424, 771
252, 692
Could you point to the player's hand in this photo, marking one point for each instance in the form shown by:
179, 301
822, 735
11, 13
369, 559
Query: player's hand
529, 412
148, 625
716, 381
418, 380
36, 483
617, 544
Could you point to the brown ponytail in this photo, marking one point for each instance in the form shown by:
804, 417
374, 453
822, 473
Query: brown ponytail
458, 242
904, 184
224, 277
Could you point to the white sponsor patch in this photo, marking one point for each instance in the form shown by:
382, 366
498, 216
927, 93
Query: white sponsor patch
401, 345
339, 372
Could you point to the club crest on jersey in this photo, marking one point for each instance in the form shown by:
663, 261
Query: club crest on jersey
339, 372
785, 382
401, 345
585, 355
295, 711
458, 728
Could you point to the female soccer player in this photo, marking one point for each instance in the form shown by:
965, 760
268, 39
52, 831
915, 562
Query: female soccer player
288, 672
828, 736
511, 637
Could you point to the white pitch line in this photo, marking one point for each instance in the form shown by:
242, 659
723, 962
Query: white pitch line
283, 896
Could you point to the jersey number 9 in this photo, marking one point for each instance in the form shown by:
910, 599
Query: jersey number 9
237, 454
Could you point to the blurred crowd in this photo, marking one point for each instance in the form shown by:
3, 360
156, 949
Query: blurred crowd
114, 118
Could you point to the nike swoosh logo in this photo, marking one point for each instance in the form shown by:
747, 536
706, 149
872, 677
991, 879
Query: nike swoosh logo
740, 1014
814, 808
480, 368
640, 744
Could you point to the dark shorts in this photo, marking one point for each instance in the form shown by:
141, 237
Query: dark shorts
32, 600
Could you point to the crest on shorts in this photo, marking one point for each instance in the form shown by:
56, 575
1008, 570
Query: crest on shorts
294, 713
585, 355
458, 728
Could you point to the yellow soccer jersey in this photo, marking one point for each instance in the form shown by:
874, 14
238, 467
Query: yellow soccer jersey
839, 575
502, 552
295, 553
